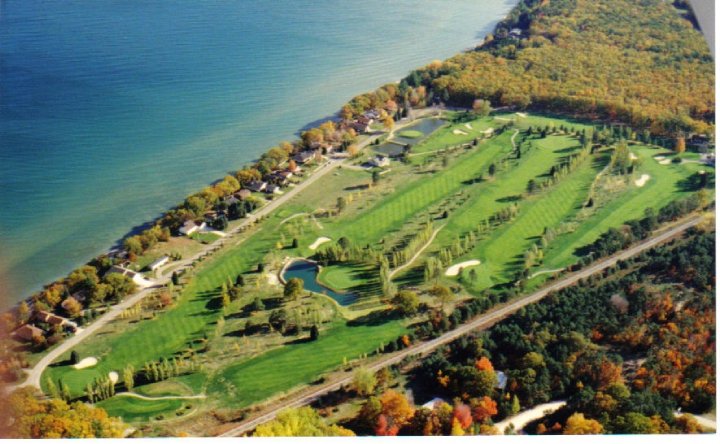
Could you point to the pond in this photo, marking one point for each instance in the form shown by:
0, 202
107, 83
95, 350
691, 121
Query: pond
424, 126
308, 271
389, 149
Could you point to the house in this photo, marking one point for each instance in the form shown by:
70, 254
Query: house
502, 380
27, 332
273, 189
515, 33
278, 177
304, 157
243, 194
379, 161
371, 114
134, 275
53, 319
231, 200
189, 227
157, 263
430, 405
256, 186
360, 128
295, 170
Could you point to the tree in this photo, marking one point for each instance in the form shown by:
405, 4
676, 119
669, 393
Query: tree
442, 294
375, 177
73, 307
396, 409
680, 145
293, 288
23, 312
133, 245
341, 203
120, 285
314, 333
294, 243
129, 377
406, 302
364, 381
483, 409
531, 186
463, 415
175, 278
29, 417
577, 425
303, 421
481, 107
491, 170
74, 357
388, 123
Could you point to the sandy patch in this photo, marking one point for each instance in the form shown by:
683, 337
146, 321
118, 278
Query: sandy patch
85, 363
641, 182
455, 269
662, 160
521, 115
113, 377
468, 126
273, 279
459, 132
665, 162
319, 241
633, 156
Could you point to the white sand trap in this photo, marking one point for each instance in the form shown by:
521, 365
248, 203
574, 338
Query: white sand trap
468, 126
113, 377
455, 269
659, 158
633, 156
523, 115
459, 132
641, 182
319, 241
665, 162
85, 363
489, 131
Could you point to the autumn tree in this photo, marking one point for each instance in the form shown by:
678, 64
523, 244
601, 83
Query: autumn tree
28, 417
680, 145
443, 294
303, 421
364, 381
483, 409
396, 412
72, 307
577, 424
481, 107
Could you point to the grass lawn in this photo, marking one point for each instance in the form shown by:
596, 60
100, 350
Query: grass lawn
410, 134
665, 185
205, 238
132, 409
283, 368
456, 133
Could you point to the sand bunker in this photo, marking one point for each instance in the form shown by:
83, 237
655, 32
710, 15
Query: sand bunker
468, 126
521, 114
641, 182
458, 132
633, 156
319, 241
665, 162
85, 363
455, 269
113, 377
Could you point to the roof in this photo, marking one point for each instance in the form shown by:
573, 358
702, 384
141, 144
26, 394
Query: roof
256, 185
243, 194
50, 318
303, 156
27, 332
159, 261
433, 403
189, 224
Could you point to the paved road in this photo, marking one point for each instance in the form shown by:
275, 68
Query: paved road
307, 396
35, 373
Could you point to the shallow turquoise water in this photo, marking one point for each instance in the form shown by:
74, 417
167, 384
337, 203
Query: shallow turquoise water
113, 111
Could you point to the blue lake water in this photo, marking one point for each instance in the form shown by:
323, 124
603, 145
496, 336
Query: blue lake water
308, 271
113, 111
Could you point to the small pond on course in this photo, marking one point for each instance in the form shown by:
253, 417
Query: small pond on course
308, 271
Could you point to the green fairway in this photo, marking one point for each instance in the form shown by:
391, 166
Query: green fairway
281, 369
141, 410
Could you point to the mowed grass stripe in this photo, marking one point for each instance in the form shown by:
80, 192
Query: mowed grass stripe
283, 368
390, 213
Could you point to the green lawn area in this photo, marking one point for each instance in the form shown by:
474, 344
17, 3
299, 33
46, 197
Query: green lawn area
393, 207
411, 134
283, 368
141, 410
391, 213
205, 238
456, 133
665, 185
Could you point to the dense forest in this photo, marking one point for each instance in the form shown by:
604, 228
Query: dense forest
637, 62
625, 349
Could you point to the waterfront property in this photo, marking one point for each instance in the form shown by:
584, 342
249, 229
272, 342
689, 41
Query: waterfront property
190, 227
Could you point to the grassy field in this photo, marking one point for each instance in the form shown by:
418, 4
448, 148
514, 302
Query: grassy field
239, 370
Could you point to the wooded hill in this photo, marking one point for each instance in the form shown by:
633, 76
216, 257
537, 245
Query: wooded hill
638, 62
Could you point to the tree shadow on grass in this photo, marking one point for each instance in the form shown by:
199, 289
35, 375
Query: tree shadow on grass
509, 199
377, 317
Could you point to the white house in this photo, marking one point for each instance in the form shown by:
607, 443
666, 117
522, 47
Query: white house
380, 161
157, 263
189, 227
